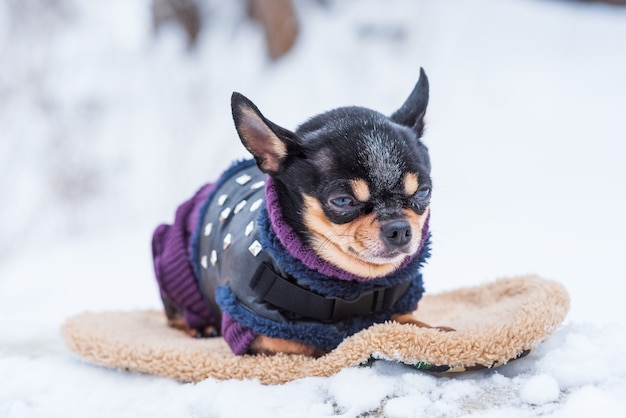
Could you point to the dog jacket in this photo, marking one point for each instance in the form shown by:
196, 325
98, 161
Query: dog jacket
246, 272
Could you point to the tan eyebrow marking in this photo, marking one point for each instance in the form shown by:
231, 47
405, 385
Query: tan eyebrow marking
360, 189
410, 184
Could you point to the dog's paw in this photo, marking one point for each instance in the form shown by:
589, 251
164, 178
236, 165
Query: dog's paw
408, 318
270, 346
445, 329
179, 323
207, 332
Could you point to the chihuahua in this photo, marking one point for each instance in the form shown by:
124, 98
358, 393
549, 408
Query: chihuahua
322, 234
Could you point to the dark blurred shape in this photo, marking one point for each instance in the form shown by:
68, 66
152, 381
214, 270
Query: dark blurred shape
616, 2
184, 12
277, 17
279, 23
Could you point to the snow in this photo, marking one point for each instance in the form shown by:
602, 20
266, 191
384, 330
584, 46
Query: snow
540, 390
106, 125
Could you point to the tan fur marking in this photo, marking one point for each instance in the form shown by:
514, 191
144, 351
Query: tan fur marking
360, 189
410, 184
353, 247
266, 345
261, 141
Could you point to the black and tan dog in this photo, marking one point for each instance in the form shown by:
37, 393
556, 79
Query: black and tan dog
318, 237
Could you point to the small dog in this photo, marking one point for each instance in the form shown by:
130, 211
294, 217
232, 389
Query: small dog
320, 236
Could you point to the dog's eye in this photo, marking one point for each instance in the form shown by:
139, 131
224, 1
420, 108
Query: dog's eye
343, 202
421, 199
423, 193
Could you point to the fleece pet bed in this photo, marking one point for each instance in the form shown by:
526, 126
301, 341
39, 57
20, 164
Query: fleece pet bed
495, 323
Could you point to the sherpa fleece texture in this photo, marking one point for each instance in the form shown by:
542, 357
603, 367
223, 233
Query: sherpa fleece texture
494, 323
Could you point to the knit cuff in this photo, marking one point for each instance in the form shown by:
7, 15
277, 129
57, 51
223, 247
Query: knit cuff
174, 272
238, 337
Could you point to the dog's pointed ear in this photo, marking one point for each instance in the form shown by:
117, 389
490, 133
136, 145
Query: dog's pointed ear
269, 143
412, 112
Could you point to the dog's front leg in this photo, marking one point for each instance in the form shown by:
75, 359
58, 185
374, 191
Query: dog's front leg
267, 345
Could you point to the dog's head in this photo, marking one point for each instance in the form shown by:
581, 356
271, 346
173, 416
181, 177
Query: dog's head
354, 184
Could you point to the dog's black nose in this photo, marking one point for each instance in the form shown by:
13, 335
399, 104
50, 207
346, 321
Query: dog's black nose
397, 233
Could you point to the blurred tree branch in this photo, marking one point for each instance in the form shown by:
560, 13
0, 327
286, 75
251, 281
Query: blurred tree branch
278, 18
616, 2
279, 23
184, 12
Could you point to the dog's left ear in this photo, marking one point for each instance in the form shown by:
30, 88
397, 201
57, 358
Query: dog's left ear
412, 112
269, 143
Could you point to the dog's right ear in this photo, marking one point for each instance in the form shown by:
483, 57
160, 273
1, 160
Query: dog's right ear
269, 143
412, 112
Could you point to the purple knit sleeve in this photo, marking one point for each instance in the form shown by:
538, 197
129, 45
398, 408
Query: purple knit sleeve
238, 337
174, 272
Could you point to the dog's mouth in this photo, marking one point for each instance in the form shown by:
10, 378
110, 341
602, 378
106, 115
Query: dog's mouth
370, 261
395, 256
367, 257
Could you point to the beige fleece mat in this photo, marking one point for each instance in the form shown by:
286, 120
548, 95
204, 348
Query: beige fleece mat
495, 323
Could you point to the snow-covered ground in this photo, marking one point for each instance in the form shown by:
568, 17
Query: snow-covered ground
105, 127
